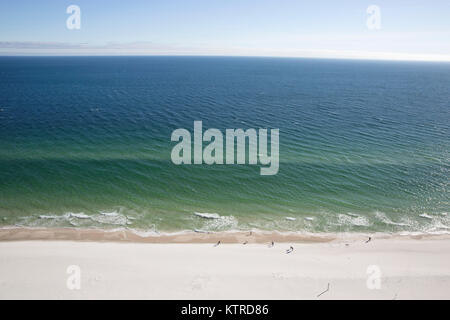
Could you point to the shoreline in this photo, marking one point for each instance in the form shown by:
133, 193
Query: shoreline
252, 236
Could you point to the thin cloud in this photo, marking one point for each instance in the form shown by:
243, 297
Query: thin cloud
150, 48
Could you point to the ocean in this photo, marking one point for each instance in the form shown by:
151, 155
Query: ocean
364, 146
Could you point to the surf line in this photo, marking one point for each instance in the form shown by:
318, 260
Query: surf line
213, 153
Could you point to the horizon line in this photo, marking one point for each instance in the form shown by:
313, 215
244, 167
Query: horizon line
226, 56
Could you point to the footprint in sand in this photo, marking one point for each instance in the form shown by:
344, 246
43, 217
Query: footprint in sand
200, 282
279, 276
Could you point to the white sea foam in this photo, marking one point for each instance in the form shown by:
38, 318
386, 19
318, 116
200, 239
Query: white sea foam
385, 219
75, 219
440, 225
224, 222
353, 219
207, 215
109, 214
48, 217
214, 221
111, 219
144, 234
352, 215
424, 215
80, 215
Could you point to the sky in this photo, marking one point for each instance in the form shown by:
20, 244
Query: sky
403, 30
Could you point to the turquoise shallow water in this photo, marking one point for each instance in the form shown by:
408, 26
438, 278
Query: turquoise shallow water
85, 141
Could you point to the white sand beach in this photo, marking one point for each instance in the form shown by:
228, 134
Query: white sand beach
409, 269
